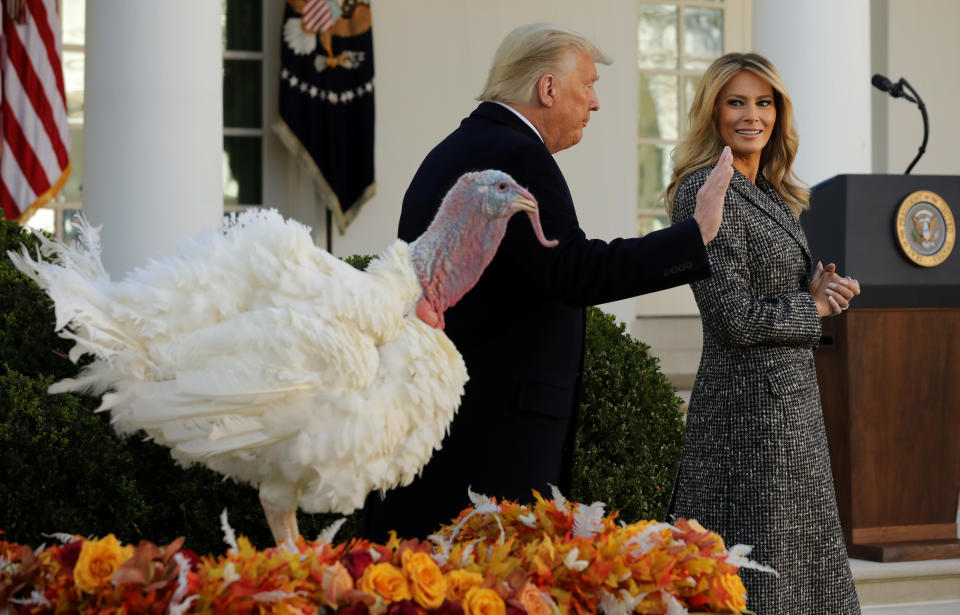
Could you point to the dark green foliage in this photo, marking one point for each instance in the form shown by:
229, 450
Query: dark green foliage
360, 261
27, 341
630, 430
61, 467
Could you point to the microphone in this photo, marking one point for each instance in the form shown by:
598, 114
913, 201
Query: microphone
896, 91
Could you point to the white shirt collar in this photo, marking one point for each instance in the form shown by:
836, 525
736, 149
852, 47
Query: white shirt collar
519, 115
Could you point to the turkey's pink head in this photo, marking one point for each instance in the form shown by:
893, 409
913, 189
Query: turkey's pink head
461, 241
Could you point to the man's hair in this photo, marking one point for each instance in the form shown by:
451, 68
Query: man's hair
526, 54
702, 145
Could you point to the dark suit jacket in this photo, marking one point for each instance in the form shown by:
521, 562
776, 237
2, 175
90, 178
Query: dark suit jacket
521, 328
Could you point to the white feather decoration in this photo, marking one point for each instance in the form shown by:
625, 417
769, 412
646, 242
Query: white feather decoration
610, 604
179, 606
36, 598
558, 499
62, 537
648, 538
572, 562
738, 557
588, 520
673, 605
329, 532
229, 536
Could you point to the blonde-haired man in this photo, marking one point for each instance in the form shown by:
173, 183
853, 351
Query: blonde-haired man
521, 329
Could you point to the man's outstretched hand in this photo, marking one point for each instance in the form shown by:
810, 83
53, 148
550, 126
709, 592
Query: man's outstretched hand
709, 210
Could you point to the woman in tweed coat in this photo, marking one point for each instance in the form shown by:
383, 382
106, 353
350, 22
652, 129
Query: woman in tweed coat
755, 466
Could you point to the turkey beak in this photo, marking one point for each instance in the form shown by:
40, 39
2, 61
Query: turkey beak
525, 202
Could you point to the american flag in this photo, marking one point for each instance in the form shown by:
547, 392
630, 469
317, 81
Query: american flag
317, 16
35, 154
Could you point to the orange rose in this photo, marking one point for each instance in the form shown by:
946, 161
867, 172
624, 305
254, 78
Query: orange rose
734, 593
459, 582
480, 601
536, 602
98, 561
335, 582
386, 580
427, 584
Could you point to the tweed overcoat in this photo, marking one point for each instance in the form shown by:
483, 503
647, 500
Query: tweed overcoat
755, 466
521, 328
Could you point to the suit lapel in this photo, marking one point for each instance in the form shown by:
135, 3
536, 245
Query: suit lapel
771, 204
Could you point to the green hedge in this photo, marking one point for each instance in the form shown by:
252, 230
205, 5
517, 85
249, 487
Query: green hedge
27, 340
63, 469
630, 430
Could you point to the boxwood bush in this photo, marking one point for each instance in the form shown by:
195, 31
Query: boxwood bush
64, 469
630, 429
27, 340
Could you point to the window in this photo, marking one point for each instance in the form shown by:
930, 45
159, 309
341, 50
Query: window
242, 111
242, 103
676, 42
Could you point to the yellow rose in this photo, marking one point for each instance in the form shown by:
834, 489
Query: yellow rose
480, 601
459, 582
736, 593
387, 580
97, 562
534, 602
427, 583
334, 583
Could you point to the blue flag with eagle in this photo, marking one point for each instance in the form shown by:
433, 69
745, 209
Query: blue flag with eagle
326, 99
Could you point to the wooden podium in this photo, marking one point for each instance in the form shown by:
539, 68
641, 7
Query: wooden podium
889, 371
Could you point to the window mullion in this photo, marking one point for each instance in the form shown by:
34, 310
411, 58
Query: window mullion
651, 218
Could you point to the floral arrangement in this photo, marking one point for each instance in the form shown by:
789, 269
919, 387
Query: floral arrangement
552, 557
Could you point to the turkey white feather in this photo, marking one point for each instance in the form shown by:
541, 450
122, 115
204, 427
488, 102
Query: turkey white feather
265, 358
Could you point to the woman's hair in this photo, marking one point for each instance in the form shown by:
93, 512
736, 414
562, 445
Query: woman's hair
702, 145
526, 54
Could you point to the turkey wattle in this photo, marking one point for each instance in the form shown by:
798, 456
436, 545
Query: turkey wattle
264, 358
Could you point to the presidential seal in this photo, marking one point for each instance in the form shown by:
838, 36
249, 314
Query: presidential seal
925, 228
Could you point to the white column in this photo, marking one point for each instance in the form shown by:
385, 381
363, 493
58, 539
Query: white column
822, 50
153, 125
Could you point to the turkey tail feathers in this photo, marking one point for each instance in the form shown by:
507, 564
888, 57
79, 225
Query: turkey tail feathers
262, 357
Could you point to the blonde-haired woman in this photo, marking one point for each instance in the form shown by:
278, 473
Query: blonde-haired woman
755, 465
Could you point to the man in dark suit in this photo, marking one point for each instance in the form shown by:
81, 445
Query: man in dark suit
521, 328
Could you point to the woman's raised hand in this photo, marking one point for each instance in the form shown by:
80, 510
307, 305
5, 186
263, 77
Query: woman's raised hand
832, 293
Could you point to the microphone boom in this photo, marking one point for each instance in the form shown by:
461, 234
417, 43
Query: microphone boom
896, 91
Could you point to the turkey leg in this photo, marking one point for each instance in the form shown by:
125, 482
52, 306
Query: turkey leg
283, 523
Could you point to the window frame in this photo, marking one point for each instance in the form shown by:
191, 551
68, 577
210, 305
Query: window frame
235, 131
735, 33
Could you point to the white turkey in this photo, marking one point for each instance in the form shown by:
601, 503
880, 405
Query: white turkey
265, 358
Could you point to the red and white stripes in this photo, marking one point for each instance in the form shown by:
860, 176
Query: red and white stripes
317, 16
35, 154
